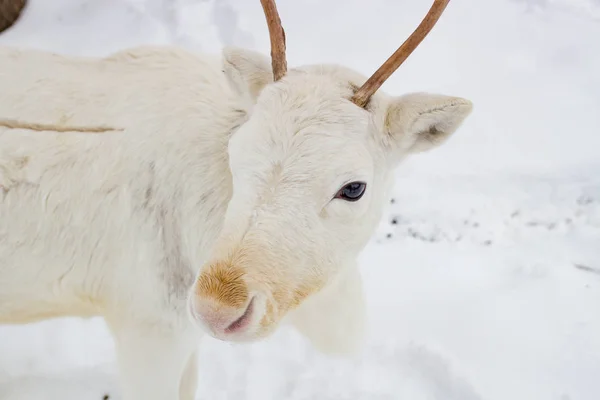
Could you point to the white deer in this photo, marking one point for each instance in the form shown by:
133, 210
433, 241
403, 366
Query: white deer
175, 193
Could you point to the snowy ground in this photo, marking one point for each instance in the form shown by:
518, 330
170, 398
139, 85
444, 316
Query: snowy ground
483, 280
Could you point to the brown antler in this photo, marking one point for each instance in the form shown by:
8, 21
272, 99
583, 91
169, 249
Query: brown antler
10, 11
364, 93
277, 35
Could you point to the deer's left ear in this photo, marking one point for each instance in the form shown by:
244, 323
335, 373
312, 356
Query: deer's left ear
418, 122
247, 71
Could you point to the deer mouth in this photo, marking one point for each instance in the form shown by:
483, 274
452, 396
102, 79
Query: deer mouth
243, 321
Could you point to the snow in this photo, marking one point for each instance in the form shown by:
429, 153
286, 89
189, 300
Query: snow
483, 280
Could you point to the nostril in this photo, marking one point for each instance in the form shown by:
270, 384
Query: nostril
242, 321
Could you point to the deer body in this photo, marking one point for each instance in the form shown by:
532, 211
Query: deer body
87, 210
113, 223
177, 194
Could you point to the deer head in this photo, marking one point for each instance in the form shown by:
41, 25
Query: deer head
311, 169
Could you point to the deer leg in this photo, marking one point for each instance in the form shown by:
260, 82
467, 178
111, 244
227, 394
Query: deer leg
155, 362
189, 380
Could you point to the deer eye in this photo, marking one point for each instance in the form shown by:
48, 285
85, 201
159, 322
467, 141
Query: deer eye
352, 191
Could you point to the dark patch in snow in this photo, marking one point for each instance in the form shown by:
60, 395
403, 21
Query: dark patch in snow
587, 268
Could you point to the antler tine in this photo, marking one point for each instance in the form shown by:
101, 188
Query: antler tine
277, 35
364, 93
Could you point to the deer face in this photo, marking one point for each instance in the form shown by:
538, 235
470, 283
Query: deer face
311, 171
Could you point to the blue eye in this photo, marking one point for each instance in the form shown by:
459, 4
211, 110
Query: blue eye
352, 191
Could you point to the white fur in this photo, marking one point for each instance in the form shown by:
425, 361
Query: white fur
122, 177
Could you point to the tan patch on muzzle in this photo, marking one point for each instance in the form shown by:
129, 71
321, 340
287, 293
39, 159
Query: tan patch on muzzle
223, 282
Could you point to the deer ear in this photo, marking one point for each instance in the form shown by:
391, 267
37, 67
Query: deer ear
419, 122
247, 71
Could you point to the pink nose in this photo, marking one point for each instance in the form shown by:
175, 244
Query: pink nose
221, 320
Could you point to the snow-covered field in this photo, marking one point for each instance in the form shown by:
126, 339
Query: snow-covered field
483, 280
